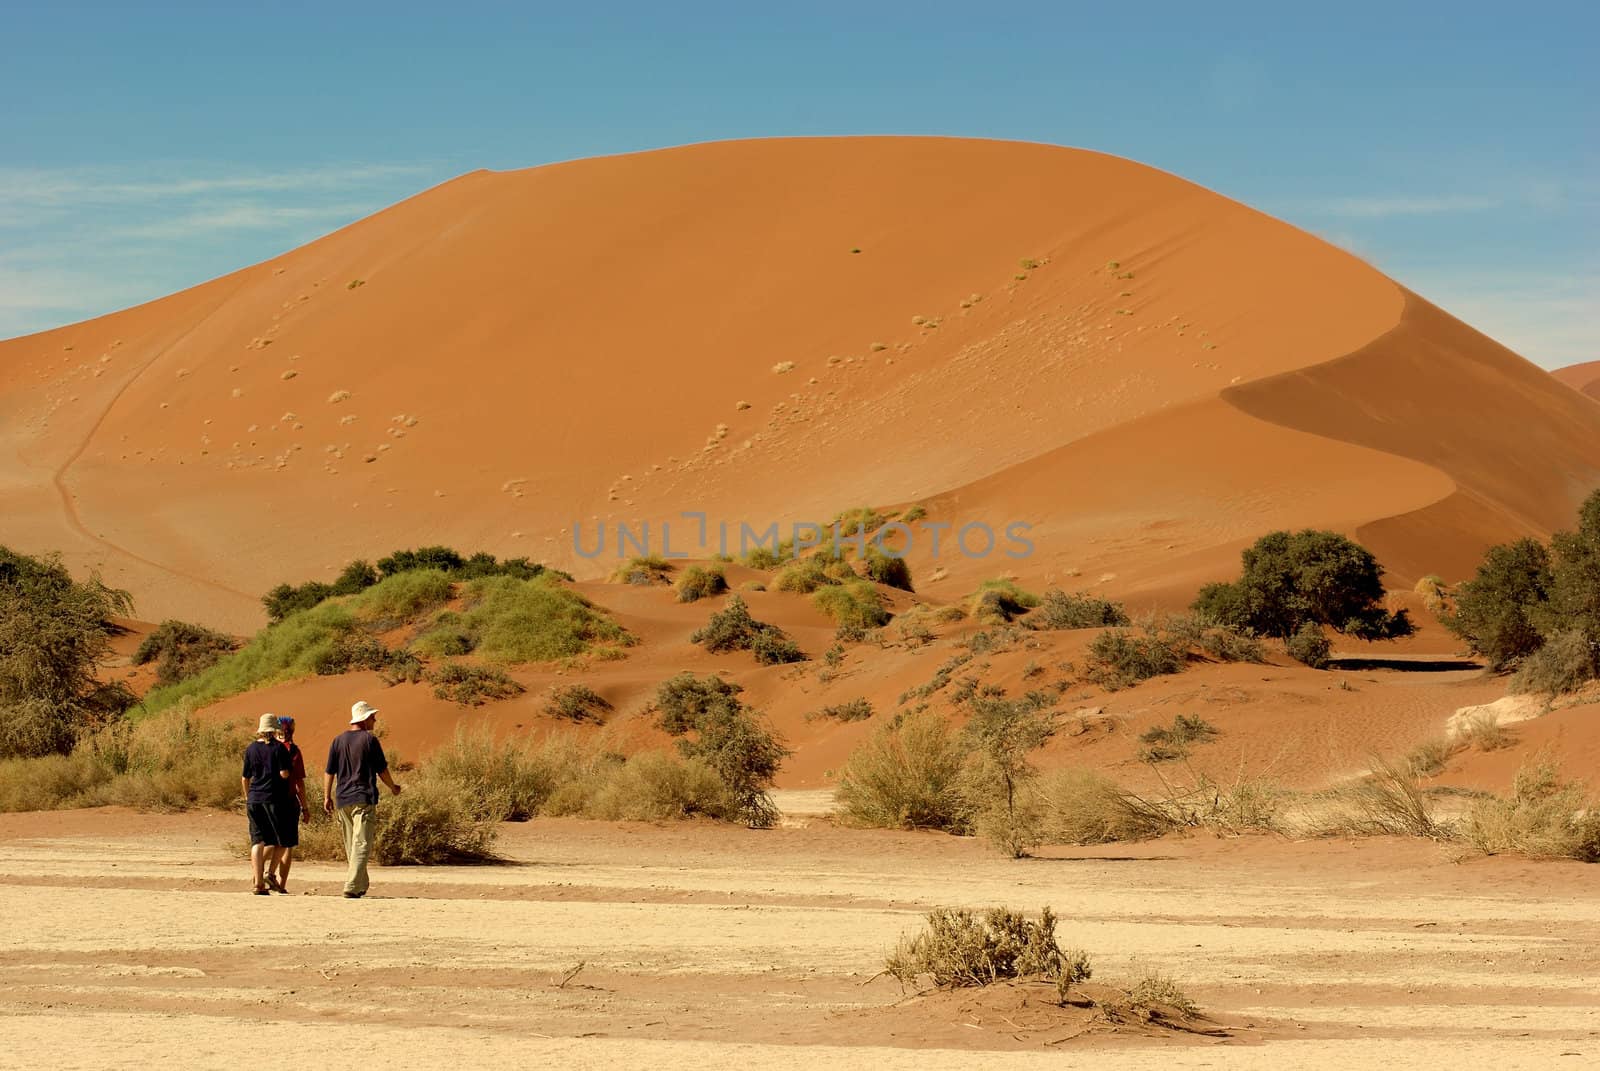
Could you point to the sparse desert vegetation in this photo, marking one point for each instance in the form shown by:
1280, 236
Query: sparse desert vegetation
733, 629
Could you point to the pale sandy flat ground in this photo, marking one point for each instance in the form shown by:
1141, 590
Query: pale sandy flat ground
130, 941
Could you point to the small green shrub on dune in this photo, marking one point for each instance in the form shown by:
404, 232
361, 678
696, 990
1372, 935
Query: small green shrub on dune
697, 583
1059, 610
857, 603
761, 557
534, 620
446, 636
287, 599
181, 650
999, 601
576, 702
733, 629
1122, 659
650, 569
854, 710
887, 570
1166, 743
914, 514
805, 576
472, 686
907, 775
863, 520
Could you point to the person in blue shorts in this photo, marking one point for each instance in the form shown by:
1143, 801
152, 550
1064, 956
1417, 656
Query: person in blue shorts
268, 800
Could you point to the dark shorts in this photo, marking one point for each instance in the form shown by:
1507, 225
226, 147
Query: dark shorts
276, 825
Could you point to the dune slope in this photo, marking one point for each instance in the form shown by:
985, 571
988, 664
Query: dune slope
1148, 373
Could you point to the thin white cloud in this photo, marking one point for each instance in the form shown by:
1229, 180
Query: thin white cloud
1387, 207
74, 187
1552, 320
240, 217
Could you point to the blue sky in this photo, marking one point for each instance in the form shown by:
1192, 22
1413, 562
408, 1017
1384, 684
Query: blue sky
146, 147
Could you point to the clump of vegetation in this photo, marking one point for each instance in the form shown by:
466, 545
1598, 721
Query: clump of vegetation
697, 582
1292, 579
914, 514
472, 686
733, 629
1000, 601
535, 620
402, 597
1496, 609
1310, 646
359, 575
576, 702
431, 825
717, 729
761, 557
446, 636
862, 520
958, 947
998, 779
181, 650
1545, 818
1435, 596
1122, 659
855, 604
906, 776
1566, 662
854, 710
1390, 801
644, 571
888, 570
54, 635
1086, 807
1059, 610
807, 575
1166, 743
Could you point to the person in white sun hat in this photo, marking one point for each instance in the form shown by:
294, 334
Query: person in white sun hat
264, 780
350, 788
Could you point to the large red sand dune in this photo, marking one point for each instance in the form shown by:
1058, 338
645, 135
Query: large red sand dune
528, 349
1584, 378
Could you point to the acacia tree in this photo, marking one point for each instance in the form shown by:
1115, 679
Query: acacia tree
1496, 610
1310, 577
1003, 733
54, 634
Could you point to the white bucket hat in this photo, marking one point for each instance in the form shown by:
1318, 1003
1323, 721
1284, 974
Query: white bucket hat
361, 712
268, 724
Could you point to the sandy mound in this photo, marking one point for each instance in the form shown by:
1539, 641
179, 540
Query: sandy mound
1583, 378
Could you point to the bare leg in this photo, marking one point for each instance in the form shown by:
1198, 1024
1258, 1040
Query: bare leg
258, 861
285, 860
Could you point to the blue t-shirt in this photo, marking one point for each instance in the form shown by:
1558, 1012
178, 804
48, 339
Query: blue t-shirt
355, 759
265, 762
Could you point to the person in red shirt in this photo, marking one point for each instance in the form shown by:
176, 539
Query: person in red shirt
277, 874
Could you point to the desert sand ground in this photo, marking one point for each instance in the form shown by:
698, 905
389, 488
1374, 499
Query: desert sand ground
131, 941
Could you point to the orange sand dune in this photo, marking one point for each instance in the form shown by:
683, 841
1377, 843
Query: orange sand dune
1149, 373
1584, 378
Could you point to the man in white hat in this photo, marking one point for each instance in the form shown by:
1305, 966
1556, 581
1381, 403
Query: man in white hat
268, 799
350, 787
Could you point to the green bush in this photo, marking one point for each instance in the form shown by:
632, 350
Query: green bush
857, 604
1495, 610
1059, 610
1309, 646
472, 686
698, 583
1566, 662
907, 775
446, 636
181, 650
1290, 579
402, 597
644, 571
654, 786
431, 824
761, 557
54, 635
576, 702
718, 730
535, 620
1121, 660
999, 601
1166, 743
287, 599
888, 570
733, 629
854, 710
805, 576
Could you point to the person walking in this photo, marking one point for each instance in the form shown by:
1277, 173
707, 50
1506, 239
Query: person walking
268, 799
278, 870
350, 787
